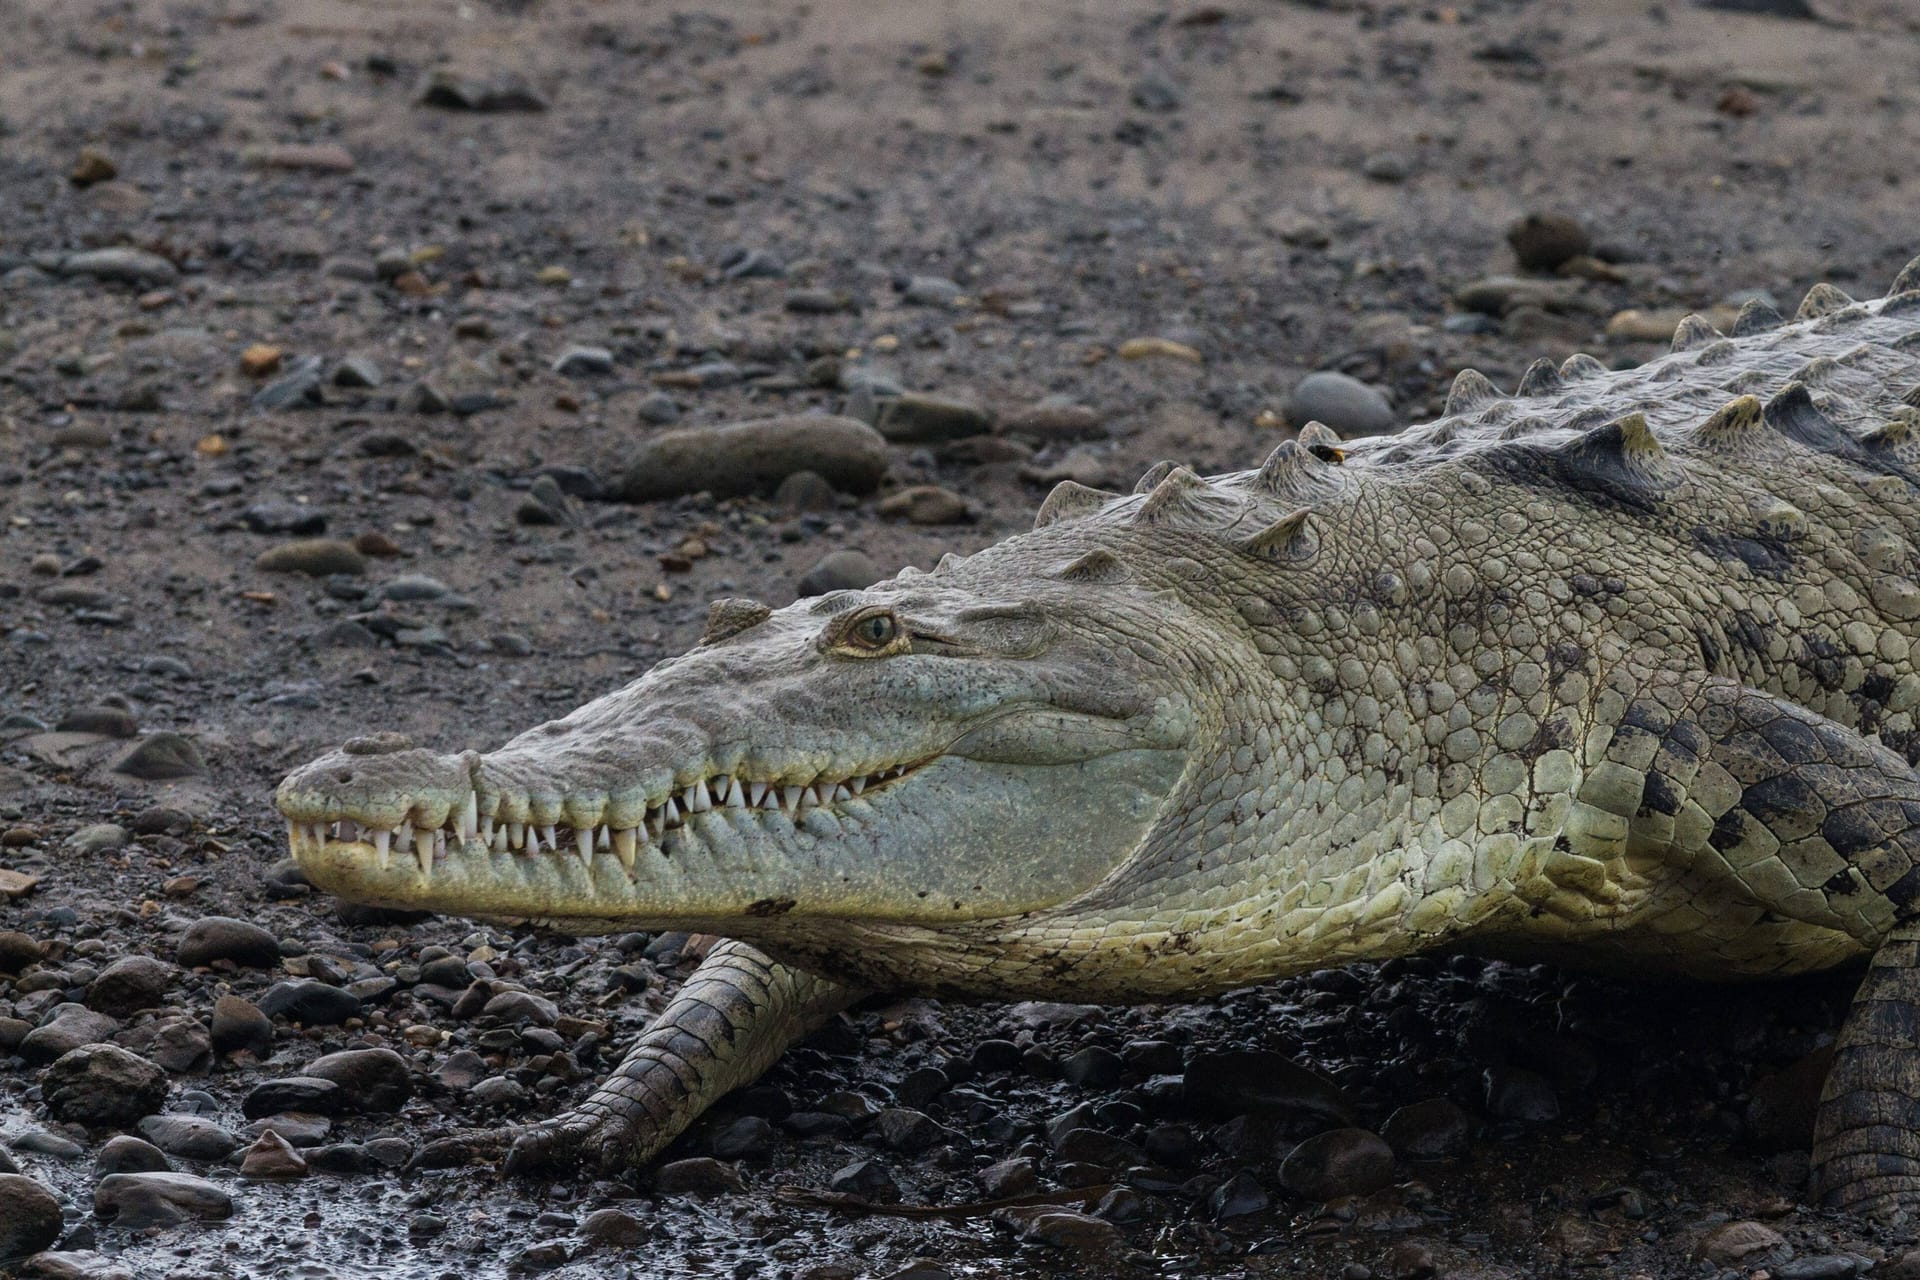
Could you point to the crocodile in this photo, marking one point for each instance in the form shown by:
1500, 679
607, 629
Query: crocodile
1621, 669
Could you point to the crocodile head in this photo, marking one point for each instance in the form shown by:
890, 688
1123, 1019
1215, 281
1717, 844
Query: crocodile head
926, 752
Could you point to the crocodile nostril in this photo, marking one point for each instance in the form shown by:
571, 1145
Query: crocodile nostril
344, 777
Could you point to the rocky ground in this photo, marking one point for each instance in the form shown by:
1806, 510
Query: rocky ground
339, 347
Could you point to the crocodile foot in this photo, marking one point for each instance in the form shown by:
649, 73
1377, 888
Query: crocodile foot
1866, 1149
462, 1148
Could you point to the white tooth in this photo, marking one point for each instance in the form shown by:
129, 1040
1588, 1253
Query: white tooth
547, 834
623, 847
499, 841
756, 791
486, 831
583, 845
699, 799
653, 824
840, 793
403, 837
470, 816
600, 837
423, 855
516, 834
736, 797
533, 838
722, 786
381, 842
790, 797
856, 785
670, 812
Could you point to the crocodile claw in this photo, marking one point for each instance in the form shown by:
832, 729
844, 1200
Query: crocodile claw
466, 1147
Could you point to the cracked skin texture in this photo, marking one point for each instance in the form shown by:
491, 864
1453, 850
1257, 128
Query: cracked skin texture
1619, 670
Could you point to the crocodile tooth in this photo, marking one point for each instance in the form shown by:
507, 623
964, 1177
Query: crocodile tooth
403, 837
601, 837
840, 792
722, 787
516, 834
736, 797
653, 824
547, 834
486, 831
470, 816
756, 790
856, 785
533, 838
669, 812
499, 841
790, 797
699, 799
423, 855
382, 843
583, 844
293, 832
623, 847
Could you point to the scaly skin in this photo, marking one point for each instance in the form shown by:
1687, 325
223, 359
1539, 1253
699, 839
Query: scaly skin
1618, 671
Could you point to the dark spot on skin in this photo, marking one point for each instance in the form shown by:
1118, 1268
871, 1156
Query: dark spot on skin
1749, 633
1649, 716
1565, 657
1710, 652
1687, 739
1729, 831
1903, 742
1851, 831
1797, 743
1903, 891
1766, 557
1877, 687
1589, 473
1562, 845
1840, 885
1553, 734
771, 907
1785, 796
1658, 795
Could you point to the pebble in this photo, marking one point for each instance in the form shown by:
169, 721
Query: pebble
129, 984
101, 837
754, 457
1435, 1129
1055, 418
1061, 1228
1387, 166
111, 722
1158, 349
47, 1143
315, 557
1339, 1162
91, 166
522, 1007
298, 387
1156, 92
414, 586
214, 938
1348, 405
1638, 325
272, 1156
614, 1228
584, 362
843, 570
1015, 1176
926, 504
868, 1178
30, 1217
915, 418
700, 1175
358, 372
125, 1153
1497, 295
1515, 1093
18, 951
930, 291
1093, 1067
906, 1130
191, 1137
457, 92
1411, 1260
1742, 1243
1543, 241
751, 264
122, 266
658, 408
372, 1080
806, 491
816, 302
296, 1092
69, 1027
313, 1004
305, 157
160, 757
103, 1084
1238, 1196
301, 1128
284, 517
1241, 1080
748, 1138
159, 1199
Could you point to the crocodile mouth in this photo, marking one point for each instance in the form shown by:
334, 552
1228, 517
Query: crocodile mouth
476, 820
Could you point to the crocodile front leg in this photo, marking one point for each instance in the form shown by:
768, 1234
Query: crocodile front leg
1866, 1148
731, 1021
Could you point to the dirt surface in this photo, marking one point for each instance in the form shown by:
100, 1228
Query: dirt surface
1160, 216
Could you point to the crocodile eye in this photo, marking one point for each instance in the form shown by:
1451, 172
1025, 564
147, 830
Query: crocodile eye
875, 631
